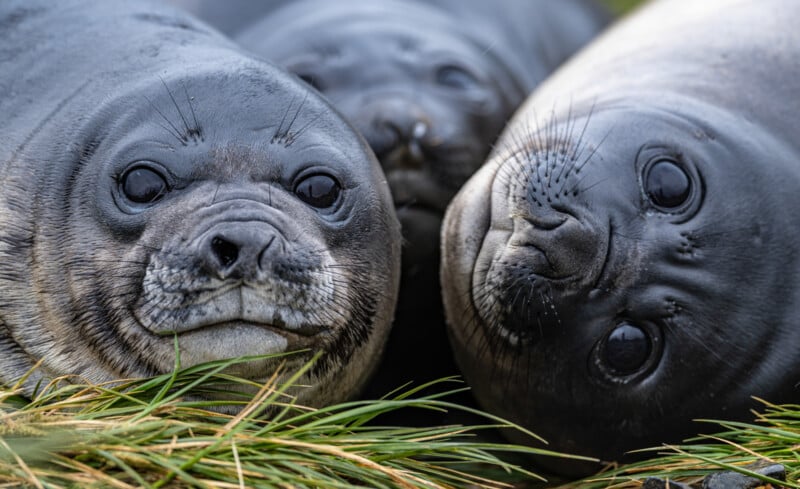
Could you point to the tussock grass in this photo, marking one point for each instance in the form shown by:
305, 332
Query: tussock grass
148, 433
151, 433
773, 438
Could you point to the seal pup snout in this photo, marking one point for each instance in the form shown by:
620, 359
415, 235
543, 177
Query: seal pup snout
239, 250
233, 262
569, 246
542, 252
398, 131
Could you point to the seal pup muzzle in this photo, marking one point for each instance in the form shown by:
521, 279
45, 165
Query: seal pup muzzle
430, 84
159, 184
627, 262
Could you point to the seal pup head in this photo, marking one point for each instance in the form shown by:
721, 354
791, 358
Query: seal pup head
629, 264
425, 93
610, 276
219, 202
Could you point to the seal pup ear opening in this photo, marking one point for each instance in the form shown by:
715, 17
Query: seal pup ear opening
185, 191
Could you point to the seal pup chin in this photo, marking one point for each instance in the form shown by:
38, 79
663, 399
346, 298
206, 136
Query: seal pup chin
625, 263
185, 192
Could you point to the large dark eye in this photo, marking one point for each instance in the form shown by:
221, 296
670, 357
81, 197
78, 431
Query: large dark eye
627, 348
319, 190
452, 76
667, 184
143, 185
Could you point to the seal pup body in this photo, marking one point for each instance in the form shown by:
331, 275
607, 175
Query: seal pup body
159, 184
626, 262
430, 84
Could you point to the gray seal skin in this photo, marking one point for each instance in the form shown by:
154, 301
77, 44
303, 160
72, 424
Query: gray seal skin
626, 262
430, 85
159, 184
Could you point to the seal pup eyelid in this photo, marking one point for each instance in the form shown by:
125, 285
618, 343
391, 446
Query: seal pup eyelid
455, 76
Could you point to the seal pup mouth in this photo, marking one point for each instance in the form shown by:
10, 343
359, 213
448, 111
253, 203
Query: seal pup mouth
241, 304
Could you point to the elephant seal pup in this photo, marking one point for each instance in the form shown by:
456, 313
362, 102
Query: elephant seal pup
627, 262
430, 84
158, 184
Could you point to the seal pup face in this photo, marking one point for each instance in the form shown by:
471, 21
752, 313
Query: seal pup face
427, 96
251, 226
601, 269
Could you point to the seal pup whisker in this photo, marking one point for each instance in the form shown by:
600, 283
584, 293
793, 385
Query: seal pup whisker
196, 130
171, 128
285, 136
188, 133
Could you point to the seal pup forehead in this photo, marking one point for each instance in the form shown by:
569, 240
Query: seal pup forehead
183, 191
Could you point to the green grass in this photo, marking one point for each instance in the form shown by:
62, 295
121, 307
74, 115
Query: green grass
152, 433
774, 437
148, 433
621, 6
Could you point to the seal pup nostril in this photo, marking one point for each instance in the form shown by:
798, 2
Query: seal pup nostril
406, 148
224, 251
239, 250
